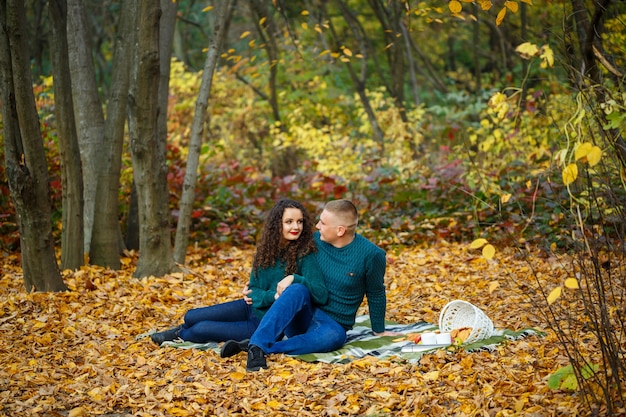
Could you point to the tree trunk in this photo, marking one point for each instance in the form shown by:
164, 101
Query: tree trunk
106, 245
476, 49
390, 15
24, 153
166, 40
72, 245
148, 149
87, 109
132, 223
589, 33
197, 130
283, 161
359, 80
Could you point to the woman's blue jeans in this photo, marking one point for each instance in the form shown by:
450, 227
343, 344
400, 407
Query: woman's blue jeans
220, 322
307, 328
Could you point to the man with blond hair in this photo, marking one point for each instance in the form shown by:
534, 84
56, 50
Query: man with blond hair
353, 267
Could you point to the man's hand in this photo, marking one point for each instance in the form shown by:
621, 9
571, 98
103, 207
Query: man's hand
388, 333
245, 293
283, 284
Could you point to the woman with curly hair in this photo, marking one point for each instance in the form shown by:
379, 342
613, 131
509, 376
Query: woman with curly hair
285, 256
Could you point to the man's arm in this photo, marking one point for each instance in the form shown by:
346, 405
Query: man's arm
375, 289
311, 276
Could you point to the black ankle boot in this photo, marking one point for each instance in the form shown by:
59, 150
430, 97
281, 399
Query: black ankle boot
256, 359
166, 335
233, 347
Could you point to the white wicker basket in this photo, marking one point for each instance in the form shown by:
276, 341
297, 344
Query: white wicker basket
458, 314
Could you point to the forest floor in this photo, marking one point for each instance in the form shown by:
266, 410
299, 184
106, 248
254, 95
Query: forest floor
77, 353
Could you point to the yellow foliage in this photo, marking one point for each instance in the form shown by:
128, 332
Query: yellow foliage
498, 102
527, 50
586, 152
500, 17
547, 57
511, 5
594, 156
455, 6
569, 174
485, 4
581, 150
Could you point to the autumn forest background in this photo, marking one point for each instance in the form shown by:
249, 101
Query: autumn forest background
482, 142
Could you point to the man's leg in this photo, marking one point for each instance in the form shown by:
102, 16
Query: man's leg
292, 310
323, 335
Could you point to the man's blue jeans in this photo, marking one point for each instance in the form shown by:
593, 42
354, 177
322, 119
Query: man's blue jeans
220, 322
307, 328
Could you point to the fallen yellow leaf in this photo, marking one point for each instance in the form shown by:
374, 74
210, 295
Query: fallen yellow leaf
431, 376
489, 251
237, 375
554, 295
77, 412
478, 243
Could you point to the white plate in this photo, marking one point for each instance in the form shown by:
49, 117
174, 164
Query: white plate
421, 348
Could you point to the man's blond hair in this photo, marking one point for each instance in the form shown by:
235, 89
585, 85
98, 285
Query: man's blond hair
346, 212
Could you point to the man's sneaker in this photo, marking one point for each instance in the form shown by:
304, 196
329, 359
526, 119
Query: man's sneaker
166, 335
233, 347
256, 359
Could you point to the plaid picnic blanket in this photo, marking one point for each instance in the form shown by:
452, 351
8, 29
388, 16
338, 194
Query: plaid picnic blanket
362, 342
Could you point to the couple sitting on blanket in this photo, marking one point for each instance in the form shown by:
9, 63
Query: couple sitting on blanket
304, 290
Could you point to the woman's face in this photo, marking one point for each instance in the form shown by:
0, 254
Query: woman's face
293, 221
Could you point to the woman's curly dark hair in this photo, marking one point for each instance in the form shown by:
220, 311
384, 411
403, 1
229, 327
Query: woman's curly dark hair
271, 247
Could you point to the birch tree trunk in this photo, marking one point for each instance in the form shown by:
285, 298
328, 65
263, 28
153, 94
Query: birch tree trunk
197, 130
148, 149
25, 159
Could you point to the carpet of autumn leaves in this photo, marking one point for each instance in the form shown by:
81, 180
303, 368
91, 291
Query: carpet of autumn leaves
78, 353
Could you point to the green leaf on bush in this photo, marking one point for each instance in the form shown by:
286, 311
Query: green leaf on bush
614, 120
565, 378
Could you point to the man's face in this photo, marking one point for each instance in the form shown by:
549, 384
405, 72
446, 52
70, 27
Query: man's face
327, 225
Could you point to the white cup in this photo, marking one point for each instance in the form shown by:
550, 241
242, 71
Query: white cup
429, 338
444, 339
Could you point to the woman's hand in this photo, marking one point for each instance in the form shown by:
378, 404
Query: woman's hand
245, 293
283, 284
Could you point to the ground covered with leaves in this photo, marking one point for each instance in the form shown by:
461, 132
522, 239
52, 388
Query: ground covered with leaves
77, 353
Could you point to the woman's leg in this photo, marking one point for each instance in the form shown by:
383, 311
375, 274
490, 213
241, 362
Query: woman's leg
237, 310
218, 323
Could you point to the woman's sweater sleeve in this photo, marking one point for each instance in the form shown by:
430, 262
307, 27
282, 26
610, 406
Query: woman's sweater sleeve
262, 294
310, 275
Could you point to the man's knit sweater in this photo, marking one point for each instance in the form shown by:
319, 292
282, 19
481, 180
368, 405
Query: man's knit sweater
350, 273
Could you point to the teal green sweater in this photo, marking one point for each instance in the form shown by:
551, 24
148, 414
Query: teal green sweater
351, 273
263, 284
